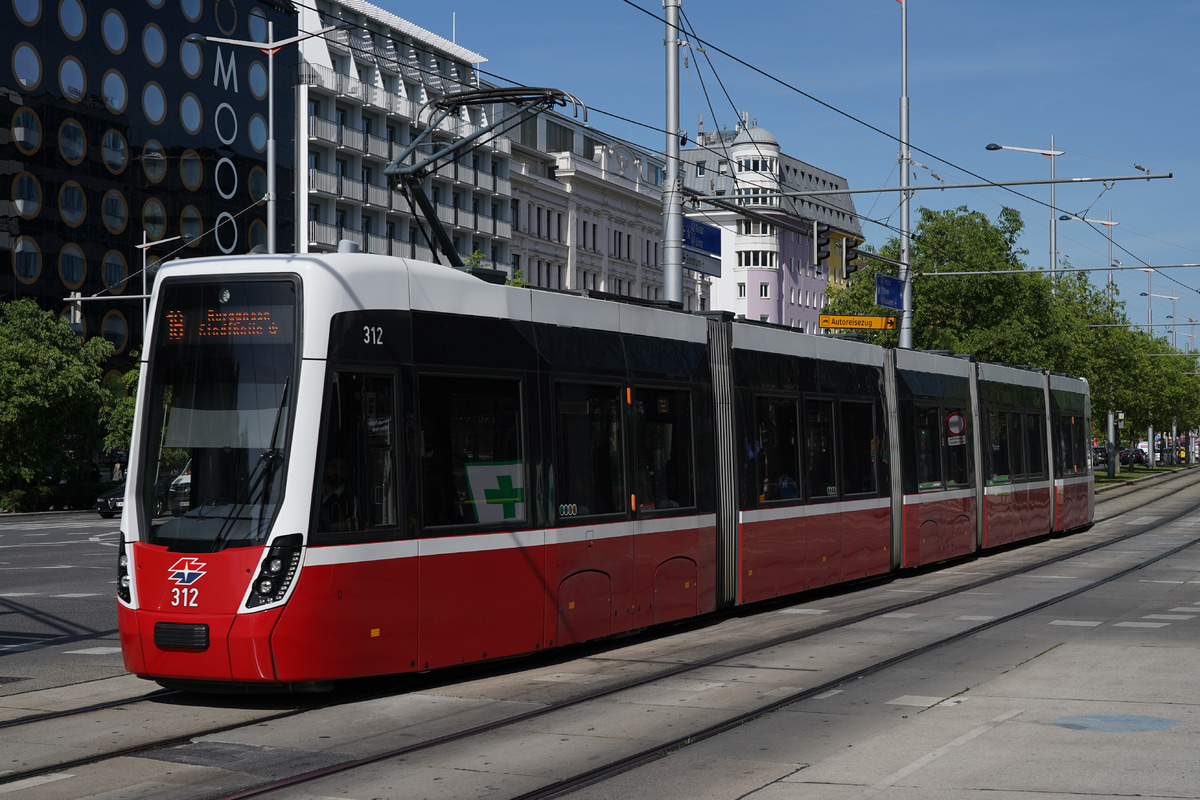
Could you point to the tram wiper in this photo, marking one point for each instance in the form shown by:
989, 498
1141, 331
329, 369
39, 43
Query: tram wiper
259, 476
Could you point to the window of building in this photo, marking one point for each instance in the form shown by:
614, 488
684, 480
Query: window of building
764, 290
741, 290
559, 138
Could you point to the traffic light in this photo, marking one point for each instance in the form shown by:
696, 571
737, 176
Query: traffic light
822, 254
850, 248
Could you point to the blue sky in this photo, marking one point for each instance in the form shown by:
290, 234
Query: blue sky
1116, 83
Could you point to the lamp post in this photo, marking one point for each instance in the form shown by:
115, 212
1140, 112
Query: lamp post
1108, 224
1050, 154
145, 248
1110, 444
270, 47
1149, 312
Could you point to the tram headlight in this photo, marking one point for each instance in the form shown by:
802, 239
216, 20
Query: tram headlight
124, 581
276, 572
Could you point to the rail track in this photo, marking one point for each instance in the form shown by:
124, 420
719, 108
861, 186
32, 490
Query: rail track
691, 683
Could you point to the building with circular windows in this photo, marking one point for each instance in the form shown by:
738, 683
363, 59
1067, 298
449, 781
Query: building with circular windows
123, 132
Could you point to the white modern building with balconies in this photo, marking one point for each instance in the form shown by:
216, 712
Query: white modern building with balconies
567, 206
360, 93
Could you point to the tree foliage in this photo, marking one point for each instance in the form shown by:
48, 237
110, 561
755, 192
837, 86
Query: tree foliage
1066, 326
116, 415
50, 396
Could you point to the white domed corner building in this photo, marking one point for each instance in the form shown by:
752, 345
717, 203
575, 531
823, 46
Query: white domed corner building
769, 270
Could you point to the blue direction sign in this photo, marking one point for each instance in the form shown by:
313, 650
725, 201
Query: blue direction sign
889, 292
701, 237
702, 247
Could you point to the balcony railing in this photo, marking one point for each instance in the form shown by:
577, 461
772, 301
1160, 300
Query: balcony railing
352, 138
322, 181
322, 233
378, 147
351, 189
324, 129
379, 195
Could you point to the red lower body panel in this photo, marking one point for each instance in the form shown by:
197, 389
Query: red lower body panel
792, 548
938, 526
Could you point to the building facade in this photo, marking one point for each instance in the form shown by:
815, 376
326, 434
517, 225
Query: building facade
120, 132
587, 213
769, 266
363, 89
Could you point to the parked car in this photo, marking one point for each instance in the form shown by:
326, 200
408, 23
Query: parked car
1099, 455
179, 498
1134, 456
110, 503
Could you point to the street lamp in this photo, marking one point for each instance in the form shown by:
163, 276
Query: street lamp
145, 248
1149, 313
1108, 224
270, 47
1110, 444
1050, 154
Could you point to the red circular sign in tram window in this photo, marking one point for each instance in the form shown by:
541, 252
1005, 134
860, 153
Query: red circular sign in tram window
956, 423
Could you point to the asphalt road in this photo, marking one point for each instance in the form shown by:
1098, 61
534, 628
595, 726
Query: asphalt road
58, 611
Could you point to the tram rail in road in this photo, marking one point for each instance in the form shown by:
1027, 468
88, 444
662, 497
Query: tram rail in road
535, 729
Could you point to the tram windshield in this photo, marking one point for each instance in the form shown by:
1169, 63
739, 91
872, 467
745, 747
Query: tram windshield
222, 379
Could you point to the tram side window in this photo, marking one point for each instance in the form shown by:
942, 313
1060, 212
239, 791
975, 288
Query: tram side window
590, 473
472, 469
358, 487
774, 455
998, 439
663, 420
1083, 444
958, 450
1035, 446
819, 449
858, 448
929, 447
1016, 440
1072, 445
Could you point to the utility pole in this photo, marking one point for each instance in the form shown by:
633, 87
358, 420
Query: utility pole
672, 186
906, 313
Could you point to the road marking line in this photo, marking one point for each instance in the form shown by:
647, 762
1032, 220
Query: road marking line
929, 758
29, 783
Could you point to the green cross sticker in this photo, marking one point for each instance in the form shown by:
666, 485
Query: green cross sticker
506, 496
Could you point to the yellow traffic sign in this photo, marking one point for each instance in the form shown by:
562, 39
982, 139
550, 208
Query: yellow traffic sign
858, 323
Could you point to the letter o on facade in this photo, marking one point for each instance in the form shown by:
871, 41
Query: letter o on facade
225, 176
226, 229
221, 125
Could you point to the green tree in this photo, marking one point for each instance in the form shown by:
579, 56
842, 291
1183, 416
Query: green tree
1069, 326
997, 318
116, 415
49, 396
476, 259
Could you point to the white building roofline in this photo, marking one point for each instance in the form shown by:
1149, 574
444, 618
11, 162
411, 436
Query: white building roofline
418, 33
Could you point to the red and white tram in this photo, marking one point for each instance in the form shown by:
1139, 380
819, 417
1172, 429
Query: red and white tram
387, 465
